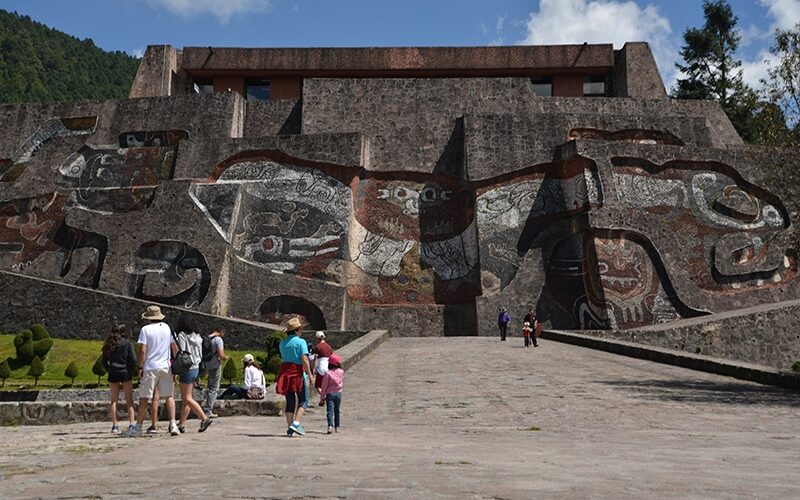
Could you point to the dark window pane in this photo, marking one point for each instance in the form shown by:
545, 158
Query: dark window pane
542, 86
203, 86
257, 90
594, 86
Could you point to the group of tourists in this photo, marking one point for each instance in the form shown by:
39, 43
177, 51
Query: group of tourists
531, 327
166, 356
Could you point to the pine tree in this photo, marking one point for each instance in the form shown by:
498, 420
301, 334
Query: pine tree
230, 371
36, 370
712, 72
98, 369
72, 372
5, 371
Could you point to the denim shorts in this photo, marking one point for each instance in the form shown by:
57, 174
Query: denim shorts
189, 377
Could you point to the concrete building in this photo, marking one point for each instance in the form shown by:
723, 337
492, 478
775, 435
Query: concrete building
415, 189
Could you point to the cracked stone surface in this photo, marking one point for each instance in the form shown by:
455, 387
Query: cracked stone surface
453, 418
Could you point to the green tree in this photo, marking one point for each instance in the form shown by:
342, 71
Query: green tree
42, 347
98, 369
230, 371
38, 63
39, 332
72, 371
782, 87
36, 370
272, 346
23, 344
5, 371
711, 70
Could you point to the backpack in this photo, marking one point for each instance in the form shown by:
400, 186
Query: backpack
208, 348
182, 362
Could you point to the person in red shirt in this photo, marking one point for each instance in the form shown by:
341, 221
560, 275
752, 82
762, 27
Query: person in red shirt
323, 350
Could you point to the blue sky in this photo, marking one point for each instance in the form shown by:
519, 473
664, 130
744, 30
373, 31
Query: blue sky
130, 25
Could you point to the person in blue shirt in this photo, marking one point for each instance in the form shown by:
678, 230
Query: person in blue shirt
502, 322
294, 376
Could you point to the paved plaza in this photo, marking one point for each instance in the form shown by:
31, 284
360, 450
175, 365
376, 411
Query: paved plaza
453, 418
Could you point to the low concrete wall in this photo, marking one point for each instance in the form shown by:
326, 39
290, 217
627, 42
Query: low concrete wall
754, 373
49, 412
355, 351
767, 334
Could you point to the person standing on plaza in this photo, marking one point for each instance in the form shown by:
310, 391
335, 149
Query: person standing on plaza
537, 331
155, 347
190, 341
526, 333
502, 322
213, 366
294, 376
320, 368
331, 395
529, 317
119, 360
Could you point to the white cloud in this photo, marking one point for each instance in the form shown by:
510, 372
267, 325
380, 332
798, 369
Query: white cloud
754, 70
786, 13
137, 52
223, 10
753, 34
603, 21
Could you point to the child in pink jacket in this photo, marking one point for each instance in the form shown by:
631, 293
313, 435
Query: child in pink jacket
331, 393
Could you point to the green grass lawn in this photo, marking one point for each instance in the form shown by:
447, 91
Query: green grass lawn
84, 353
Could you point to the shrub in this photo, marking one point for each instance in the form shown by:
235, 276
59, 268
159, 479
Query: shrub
42, 347
72, 371
39, 332
273, 365
23, 344
36, 370
98, 368
796, 366
5, 371
25, 353
273, 343
270, 377
230, 371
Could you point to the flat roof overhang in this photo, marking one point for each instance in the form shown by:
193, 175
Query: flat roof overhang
400, 61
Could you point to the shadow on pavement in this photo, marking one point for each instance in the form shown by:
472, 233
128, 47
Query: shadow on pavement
702, 391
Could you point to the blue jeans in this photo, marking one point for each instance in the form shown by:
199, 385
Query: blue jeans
237, 391
332, 402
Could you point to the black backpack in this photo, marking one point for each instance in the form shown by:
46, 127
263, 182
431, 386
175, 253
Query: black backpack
208, 348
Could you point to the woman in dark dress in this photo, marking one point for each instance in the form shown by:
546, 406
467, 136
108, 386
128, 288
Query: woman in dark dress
119, 360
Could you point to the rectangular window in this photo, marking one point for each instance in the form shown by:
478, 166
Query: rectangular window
594, 86
257, 89
542, 86
202, 86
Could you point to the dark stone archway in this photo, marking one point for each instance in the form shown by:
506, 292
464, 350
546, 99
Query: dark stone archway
275, 309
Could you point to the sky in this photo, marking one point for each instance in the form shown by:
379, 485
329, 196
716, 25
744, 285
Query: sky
131, 25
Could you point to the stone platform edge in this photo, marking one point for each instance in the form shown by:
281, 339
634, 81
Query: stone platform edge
754, 373
70, 412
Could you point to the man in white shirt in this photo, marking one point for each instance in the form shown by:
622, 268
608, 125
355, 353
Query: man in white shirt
156, 345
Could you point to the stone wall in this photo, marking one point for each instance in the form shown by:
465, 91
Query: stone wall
767, 335
71, 312
419, 205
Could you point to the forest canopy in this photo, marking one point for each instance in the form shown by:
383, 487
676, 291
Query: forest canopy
38, 63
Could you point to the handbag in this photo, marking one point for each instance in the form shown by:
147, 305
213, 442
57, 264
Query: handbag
182, 362
255, 392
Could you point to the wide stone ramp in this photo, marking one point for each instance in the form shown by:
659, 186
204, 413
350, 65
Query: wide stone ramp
455, 418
